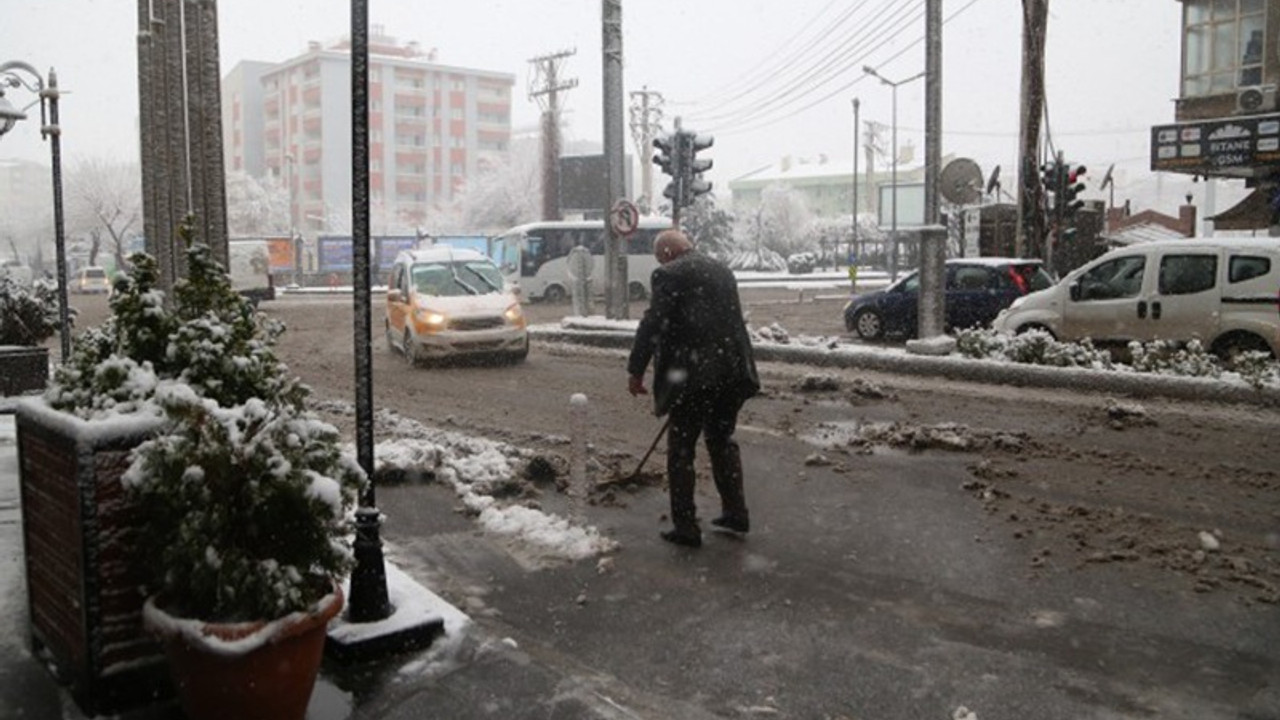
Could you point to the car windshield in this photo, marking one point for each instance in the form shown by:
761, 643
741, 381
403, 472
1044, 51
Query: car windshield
470, 277
95, 273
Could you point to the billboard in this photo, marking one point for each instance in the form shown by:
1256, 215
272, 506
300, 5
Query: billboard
910, 206
582, 183
1239, 143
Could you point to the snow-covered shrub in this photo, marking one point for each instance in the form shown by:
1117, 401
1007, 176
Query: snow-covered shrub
1173, 358
801, 263
246, 497
1256, 368
1034, 347
246, 508
28, 315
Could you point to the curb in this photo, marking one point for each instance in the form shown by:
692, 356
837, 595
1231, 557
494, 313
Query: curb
1141, 385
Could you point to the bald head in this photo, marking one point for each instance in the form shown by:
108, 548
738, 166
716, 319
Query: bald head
669, 245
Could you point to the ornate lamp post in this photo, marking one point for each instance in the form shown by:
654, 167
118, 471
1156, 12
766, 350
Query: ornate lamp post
17, 74
893, 195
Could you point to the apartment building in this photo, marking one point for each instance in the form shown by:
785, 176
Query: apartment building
1227, 116
431, 127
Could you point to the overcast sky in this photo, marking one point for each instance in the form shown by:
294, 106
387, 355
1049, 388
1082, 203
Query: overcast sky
1112, 68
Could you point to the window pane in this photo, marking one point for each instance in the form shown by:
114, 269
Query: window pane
1221, 83
1197, 49
1224, 46
1187, 274
1251, 6
1197, 11
1224, 9
1251, 40
1246, 267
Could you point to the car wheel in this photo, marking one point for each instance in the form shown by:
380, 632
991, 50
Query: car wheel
869, 325
554, 294
1036, 326
636, 292
410, 350
1230, 347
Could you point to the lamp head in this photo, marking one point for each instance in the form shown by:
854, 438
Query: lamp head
9, 115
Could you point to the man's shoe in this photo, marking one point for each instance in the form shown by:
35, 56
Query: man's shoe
685, 538
732, 522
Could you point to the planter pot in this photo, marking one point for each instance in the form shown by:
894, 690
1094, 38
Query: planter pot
82, 575
249, 671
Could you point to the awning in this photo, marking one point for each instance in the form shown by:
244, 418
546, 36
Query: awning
1251, 213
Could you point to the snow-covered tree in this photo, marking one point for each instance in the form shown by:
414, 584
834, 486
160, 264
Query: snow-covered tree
256, 207
503, 193
778, 222
104, 198
709, 226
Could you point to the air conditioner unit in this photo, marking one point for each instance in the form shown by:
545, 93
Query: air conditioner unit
1256, 99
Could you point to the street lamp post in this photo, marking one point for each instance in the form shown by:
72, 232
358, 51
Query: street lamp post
11, 75
853, 240
893, 195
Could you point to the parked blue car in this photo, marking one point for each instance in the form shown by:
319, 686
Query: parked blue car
977, 290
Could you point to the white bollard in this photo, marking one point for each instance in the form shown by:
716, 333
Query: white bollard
577, 491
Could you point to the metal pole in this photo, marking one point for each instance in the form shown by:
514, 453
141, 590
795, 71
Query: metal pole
893, 194
615, 157
853, 241
53, 131
369, 600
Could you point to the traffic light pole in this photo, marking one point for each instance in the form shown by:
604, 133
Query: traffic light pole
1059, 209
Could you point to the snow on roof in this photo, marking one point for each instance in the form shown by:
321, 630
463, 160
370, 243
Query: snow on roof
1143, 232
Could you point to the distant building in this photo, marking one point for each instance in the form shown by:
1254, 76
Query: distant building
1227, 116
827, 187
431, 127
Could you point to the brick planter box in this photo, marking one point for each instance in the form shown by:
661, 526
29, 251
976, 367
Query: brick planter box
83, 588
23, 369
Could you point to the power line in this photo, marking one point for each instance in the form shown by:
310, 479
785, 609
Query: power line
766, 58
828, 68
732, 130
825, 68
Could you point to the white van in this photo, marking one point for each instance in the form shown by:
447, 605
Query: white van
1224, 292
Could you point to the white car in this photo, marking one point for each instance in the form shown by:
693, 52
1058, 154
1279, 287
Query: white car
1223, 292
448, 302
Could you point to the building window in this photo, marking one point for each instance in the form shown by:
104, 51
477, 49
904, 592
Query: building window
1222, 48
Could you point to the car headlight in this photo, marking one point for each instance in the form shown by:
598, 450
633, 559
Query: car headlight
515, 315
429, 320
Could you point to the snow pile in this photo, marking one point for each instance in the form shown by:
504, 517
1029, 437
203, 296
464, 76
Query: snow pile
481, 471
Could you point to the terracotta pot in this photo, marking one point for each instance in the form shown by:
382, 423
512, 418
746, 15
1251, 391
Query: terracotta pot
248, 671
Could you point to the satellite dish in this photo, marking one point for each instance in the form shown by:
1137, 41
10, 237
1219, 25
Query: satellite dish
994, 183
961, 181
1106, 179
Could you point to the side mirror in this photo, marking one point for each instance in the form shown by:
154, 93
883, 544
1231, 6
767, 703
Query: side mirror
394, 295
1074, 290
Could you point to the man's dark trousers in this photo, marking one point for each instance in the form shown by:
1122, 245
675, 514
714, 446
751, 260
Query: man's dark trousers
715, 416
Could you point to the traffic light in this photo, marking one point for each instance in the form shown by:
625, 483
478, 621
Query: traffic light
1072, 187
696, 166
670, 158
1052, 181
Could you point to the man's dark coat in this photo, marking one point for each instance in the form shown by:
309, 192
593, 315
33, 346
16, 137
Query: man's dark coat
695, 333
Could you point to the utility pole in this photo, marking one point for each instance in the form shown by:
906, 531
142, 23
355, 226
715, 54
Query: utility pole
1030, 220
932, 311
646, 123
545, 87
615, 261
